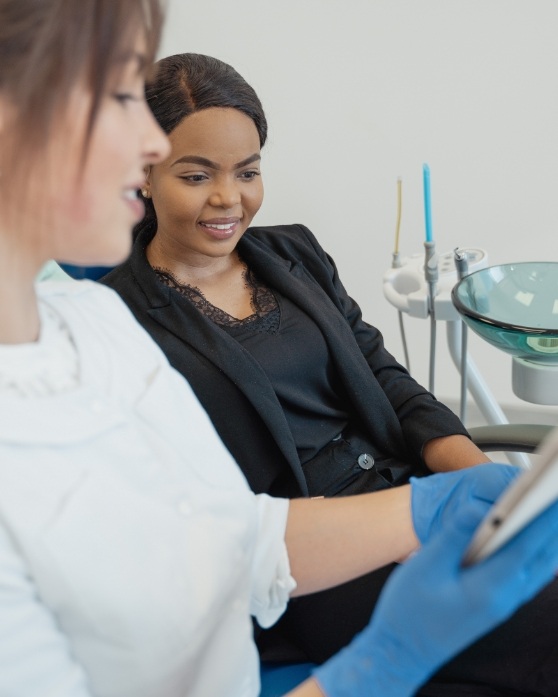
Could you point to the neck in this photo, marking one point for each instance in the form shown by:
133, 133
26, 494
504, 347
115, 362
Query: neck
19, 313
190, 268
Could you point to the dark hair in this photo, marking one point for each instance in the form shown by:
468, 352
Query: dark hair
189, 82
48, 47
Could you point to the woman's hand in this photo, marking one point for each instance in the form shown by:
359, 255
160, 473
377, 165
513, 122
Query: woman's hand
432, 607
438, 498
331, 541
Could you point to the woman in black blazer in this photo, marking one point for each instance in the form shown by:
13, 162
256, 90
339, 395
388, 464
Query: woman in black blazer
299, 387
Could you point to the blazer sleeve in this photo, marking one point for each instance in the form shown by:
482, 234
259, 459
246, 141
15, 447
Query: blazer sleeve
35, 658
421, 416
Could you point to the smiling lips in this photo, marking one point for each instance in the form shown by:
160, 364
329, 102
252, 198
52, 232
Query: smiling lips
130, 195
220, 228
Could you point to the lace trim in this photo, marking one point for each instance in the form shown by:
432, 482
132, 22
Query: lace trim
265, 317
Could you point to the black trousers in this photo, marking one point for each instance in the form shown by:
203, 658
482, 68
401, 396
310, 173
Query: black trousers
518, 658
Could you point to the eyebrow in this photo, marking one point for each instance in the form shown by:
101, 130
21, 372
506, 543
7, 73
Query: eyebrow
196, 160
140, 59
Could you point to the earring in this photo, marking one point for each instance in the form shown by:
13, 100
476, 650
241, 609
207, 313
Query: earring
144, 193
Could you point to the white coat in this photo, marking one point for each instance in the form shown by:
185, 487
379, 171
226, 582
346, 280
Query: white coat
132, 552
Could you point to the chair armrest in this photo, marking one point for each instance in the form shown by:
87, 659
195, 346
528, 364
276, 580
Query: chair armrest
518, 438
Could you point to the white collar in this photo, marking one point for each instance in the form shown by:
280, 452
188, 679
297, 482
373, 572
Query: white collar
42, 368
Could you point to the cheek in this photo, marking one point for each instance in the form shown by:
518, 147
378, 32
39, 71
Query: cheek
74, 205
96, 192
66, 190
73, 225
255, 199
179, 204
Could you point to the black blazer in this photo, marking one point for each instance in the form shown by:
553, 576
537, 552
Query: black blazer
397, 413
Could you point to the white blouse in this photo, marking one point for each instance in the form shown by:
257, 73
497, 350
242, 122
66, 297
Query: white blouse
132, 552
44, 367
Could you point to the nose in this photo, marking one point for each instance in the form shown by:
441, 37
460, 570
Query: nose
225, 194
156, 145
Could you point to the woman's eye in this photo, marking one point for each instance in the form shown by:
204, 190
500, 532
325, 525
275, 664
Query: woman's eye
195, 178
126, 97
250, 174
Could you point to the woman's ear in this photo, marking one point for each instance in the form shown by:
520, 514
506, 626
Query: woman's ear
145, 192
3, 120
2, 114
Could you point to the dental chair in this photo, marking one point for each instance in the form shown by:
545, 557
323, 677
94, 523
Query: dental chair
509, 438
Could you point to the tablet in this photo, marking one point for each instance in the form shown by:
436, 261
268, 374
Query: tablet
526, 497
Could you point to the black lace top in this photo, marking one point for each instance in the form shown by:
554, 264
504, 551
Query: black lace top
265, 317
293, 353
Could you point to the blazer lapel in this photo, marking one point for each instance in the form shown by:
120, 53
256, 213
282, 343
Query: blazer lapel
292, 280
182, 319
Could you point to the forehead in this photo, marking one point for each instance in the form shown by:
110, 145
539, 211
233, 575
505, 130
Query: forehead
132, 59
215, 133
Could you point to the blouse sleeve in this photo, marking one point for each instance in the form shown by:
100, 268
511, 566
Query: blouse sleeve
35, 657
272, 582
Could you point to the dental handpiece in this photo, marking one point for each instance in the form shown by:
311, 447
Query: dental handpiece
461, 263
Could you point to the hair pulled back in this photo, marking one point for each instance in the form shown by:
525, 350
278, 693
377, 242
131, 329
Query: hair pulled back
189, 82
186, 83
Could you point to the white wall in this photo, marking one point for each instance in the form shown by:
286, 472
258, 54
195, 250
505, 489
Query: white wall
359, 92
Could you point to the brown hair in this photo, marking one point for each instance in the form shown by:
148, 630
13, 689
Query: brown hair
47, 47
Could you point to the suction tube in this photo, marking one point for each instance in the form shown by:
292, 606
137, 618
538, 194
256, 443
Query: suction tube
395, 264
430, 271
462, 267
431, 277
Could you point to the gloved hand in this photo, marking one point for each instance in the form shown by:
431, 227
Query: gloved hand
437, 498
432, 608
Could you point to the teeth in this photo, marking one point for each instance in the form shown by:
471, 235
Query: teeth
131, 194
228, 226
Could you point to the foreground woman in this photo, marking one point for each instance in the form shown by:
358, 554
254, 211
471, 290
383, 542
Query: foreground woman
127, 565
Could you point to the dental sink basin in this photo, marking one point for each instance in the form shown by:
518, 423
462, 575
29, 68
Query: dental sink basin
514, 307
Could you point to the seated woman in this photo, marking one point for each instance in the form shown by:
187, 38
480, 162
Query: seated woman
132, 550
300, 388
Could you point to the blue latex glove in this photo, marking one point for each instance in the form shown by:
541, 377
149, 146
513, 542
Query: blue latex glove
437, 498
431, 608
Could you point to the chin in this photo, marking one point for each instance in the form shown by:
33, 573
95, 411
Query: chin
116, 253
108, 258
118, 258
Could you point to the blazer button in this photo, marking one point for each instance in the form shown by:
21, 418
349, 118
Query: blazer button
365, 461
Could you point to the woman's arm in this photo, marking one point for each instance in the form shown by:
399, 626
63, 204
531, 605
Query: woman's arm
421, 417
433, 607
309, 688
331, 541
452, 453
